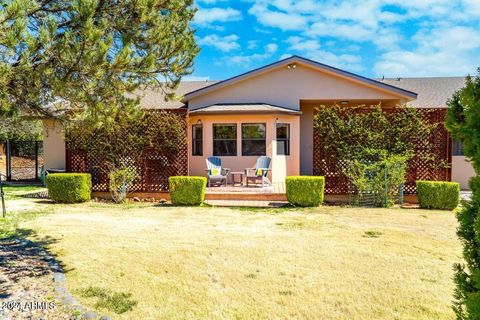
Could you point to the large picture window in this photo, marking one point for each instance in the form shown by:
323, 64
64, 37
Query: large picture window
197, 140
253, 139
283, 139
224, 139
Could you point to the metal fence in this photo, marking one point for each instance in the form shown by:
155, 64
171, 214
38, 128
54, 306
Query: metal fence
22, 160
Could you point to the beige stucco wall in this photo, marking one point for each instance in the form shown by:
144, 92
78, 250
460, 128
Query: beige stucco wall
286, 87
462, 171
281, 165
53, 144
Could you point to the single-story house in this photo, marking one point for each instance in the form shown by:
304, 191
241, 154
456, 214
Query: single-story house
269, 111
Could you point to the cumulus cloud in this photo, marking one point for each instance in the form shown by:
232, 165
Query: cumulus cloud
225, 44
441, 52
206, 16
312, 49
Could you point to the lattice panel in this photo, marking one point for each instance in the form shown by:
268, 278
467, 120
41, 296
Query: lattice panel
152, 168
418, 168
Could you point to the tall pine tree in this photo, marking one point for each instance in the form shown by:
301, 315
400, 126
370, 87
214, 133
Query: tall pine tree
89, 54
463, 120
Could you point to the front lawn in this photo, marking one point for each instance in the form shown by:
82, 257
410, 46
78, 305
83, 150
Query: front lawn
139, 261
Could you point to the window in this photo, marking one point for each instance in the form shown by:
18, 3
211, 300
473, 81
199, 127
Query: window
197, 140
253, 139
283, 139
224, 139
457, 148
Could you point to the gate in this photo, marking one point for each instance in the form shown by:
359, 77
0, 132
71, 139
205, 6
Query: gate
23, 160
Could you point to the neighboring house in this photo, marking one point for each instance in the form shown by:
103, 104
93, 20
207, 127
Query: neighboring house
269, 111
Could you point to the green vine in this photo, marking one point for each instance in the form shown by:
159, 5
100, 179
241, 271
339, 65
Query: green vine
371, 146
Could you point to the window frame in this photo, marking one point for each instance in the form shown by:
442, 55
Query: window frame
286, 140
457, 148
264, 139
218, 139
194, 139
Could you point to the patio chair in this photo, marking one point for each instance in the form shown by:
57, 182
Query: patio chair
260, 172
215, 172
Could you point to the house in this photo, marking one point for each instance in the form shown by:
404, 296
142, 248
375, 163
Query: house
269, 111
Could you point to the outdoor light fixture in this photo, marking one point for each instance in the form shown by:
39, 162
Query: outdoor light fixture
199, 121
292, 66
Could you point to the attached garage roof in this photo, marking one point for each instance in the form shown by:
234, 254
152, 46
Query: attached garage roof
259, 108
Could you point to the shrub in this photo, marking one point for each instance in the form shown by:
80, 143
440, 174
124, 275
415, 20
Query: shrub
69, 187
187, 191
438, 194
120, 180
305, 191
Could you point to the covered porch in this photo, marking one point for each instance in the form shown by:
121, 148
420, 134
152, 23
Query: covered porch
237, 135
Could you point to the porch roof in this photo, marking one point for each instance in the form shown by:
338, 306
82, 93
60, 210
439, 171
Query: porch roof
244, 108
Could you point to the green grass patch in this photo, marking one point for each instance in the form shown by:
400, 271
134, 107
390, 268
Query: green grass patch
15, 192
118, 302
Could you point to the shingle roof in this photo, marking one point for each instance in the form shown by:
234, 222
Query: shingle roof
432, 92
154, 97
243, 108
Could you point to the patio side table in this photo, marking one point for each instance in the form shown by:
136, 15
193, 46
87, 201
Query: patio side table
237, 173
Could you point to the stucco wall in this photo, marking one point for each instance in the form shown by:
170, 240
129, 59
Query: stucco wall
281, 165
53, 144
462, 171
286, 87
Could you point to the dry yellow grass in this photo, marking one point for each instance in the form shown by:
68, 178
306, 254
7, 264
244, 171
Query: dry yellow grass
217, 263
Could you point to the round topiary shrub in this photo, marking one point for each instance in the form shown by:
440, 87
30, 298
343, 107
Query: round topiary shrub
305, 191
69, 187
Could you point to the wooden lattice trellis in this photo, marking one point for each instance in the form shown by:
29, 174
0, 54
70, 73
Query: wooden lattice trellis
438, 143
152, 168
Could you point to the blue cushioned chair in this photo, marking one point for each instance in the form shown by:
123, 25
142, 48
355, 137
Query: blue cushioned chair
215, 172
260, 172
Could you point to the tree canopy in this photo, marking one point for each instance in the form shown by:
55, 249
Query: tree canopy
463, 121
90, 53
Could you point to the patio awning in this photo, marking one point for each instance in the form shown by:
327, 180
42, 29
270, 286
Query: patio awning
244, 108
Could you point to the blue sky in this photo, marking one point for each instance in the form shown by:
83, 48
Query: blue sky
394, 38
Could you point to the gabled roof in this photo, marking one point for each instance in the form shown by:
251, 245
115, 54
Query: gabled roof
239, 108
304, 61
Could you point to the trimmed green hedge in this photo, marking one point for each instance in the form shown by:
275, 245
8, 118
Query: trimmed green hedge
305, 191
69, 187
187, 191
438, 194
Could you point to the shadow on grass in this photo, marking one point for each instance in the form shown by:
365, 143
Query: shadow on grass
22, 259
118, 302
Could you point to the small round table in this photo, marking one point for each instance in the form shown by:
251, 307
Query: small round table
237, 173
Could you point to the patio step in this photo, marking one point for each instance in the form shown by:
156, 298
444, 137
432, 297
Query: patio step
246, 203
245, 196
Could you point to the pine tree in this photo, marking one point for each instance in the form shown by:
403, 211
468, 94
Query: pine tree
90, 54
463, 120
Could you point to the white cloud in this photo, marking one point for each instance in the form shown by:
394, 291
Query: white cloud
271, 48
206, 16
225, 44
252, 44
277, 19
247, 60
438, 52
312, 49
